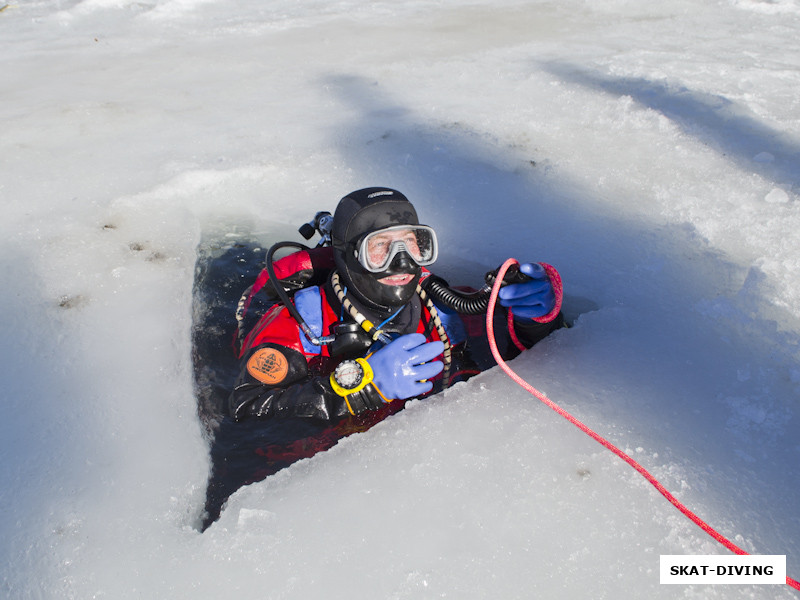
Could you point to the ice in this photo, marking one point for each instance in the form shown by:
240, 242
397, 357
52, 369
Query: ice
648, 151
764, 157
777, 196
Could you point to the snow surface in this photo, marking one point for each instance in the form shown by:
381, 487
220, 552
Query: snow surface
651, 151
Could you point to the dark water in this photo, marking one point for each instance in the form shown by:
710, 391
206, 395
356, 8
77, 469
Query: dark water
249, 451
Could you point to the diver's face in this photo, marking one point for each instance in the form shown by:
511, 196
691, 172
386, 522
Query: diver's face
380, 246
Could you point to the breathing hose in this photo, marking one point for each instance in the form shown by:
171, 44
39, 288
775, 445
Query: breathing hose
595, 436
284, 297
466, 303
470, 303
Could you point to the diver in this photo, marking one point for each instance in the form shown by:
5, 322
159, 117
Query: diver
389, 330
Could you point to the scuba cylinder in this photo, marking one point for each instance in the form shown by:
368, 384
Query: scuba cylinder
322, 223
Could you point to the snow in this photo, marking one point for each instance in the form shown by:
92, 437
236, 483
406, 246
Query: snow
650, 151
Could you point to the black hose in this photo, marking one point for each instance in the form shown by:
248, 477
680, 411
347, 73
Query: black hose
276, 283
465, 303
469, 303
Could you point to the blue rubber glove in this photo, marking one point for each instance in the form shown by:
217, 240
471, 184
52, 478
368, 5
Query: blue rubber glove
399, 367
529, 299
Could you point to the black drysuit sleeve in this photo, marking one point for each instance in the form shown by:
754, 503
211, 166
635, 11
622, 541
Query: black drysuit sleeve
478, 353
275, 382
529, 332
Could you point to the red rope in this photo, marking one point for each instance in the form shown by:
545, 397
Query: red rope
595, 436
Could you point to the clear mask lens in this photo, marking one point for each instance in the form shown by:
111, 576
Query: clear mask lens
376, 251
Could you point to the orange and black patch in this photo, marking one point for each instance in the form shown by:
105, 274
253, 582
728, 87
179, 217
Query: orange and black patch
268, 365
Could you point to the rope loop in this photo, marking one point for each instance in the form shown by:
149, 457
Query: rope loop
591, 433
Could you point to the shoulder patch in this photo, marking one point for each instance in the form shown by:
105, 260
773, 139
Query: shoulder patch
268, 365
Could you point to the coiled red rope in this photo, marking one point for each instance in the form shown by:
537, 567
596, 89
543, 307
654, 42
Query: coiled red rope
595, 436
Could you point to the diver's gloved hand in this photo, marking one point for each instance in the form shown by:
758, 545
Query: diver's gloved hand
530, 299
399, 368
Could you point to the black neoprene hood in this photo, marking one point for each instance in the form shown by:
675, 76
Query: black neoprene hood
369, 209
362, 212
